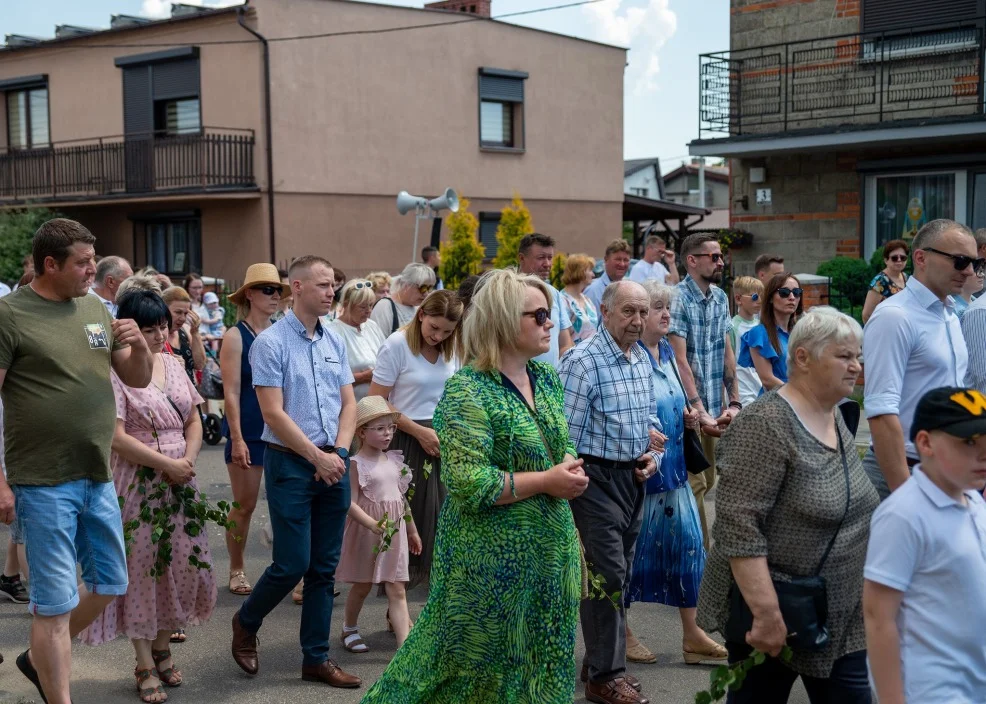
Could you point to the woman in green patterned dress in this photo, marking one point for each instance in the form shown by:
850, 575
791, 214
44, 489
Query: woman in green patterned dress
501, 617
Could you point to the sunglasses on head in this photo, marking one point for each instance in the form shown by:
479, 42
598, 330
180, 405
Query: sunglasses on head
362, 284
786, 292
540, 315
961, 261
898, 257
267, 290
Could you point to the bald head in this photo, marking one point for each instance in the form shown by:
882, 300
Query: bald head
625, 306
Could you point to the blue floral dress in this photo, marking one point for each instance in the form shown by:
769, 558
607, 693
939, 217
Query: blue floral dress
670, 556
585, 319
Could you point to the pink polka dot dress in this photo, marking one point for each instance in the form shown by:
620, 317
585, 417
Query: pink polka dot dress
184, 595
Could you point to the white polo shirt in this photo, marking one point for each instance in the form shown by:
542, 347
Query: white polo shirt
933, 549
642, 271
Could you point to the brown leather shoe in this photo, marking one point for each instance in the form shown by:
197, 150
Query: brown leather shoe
616, 691
331, 674
245, 647
631, 680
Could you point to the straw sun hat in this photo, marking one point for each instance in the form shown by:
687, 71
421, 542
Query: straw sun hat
259, 275
372, 407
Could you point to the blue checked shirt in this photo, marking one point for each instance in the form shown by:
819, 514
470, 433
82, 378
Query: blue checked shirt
609, 398
703, 321
310, 371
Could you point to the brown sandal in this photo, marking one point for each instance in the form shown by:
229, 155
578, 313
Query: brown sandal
170, 677
146, 693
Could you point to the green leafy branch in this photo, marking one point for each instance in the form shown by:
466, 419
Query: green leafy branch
730, 678
597, 589
390, 529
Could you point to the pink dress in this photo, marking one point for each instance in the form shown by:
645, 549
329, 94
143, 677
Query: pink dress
382, 485
185, 595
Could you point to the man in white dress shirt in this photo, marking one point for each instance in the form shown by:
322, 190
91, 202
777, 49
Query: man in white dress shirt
914, 343
110, 273
658, 263
534, 257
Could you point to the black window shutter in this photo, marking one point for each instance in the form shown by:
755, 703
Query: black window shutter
138, 108
890, 15
510, 90
175, 79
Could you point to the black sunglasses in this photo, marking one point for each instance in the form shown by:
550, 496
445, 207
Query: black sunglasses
961, 261
267, 290
540, 315
715, 256
786, 292
898, 258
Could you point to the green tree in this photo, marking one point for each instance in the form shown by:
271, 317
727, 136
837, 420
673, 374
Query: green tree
557, 269
515, 222
17, 227
462, 254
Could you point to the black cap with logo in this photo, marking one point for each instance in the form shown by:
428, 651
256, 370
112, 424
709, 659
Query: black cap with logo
952, 410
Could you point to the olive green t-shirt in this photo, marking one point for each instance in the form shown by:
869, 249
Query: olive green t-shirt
59, 410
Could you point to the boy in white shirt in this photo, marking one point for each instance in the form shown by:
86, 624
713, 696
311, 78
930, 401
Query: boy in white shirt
747, 292
924, 598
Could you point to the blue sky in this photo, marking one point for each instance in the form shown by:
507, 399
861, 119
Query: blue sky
665, 38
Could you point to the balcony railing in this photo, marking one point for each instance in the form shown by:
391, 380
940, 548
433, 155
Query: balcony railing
212, 159
852, 80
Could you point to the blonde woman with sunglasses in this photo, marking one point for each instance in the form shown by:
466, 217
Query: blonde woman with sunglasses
362, 336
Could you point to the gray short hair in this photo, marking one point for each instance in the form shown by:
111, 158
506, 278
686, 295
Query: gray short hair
819, 327
110, 266
932, 232
138, 282
658, 292
613, 290
414, 276
363, 296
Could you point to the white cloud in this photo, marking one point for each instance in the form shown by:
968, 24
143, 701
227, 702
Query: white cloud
645, 30
159, 9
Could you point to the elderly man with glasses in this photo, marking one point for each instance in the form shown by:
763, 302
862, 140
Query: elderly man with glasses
914, 343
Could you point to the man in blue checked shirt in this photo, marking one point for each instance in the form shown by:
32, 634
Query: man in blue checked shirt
305, 389
609, 402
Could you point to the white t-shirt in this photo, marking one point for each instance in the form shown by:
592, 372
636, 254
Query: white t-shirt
417, 384
383, 315
361, 347
561, 322
933, 549
642, 271
746, 377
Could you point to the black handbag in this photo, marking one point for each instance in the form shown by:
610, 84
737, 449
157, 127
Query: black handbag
695, 460
803, 600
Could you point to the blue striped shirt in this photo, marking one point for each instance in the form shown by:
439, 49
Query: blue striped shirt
974, 330
702, 319
609, 398
310, 372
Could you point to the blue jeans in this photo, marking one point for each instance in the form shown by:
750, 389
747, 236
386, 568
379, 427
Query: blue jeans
68, 523
771, 682
307, 518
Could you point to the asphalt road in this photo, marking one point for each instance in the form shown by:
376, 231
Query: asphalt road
103, 674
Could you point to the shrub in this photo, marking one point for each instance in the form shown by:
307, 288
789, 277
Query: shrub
17, 227
850, 279
515, 222
557, 269
462, 254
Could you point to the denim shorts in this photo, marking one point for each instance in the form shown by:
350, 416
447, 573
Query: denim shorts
75, 522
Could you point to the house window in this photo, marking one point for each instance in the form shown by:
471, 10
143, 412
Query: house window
174, 247
27, 118
488, 224
642, 192
174, 117
898, 205
501, 109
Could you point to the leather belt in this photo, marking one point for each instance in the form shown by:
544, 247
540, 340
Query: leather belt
609, 464
289, 451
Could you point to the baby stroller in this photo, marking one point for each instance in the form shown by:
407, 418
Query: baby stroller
211, 388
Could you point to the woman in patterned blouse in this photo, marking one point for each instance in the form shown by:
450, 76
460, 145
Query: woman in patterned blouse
782, 496
500, 621
889, 281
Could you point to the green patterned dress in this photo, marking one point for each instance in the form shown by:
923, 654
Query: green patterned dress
501, 617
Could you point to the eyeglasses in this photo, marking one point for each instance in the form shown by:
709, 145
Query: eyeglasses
268, 290
714, 256
383, 428
898, 257
787, 292
540, 315
961, 261
425, 290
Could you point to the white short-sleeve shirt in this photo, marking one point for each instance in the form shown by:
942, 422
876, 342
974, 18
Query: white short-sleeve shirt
933, 549
362, 347
417, 384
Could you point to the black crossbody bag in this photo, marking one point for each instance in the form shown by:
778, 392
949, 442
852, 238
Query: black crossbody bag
803, 600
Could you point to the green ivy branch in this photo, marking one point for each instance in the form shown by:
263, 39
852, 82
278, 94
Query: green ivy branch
724, 678
597, 589
170, 501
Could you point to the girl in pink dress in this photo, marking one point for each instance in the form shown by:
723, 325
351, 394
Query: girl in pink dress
155, 607
379, 481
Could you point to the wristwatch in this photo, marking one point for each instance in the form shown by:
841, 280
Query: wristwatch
343, 454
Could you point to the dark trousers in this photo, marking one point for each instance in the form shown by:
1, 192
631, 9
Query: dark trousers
771, 682
307, 518
608, 517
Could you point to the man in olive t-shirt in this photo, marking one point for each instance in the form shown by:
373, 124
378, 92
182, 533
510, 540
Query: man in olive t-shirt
57, 345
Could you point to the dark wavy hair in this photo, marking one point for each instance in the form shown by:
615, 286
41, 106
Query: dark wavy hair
146, 308
767, 317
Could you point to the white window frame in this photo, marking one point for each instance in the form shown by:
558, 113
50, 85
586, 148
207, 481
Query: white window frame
869, 201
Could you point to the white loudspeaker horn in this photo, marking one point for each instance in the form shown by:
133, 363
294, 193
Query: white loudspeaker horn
447, 200
406, 202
